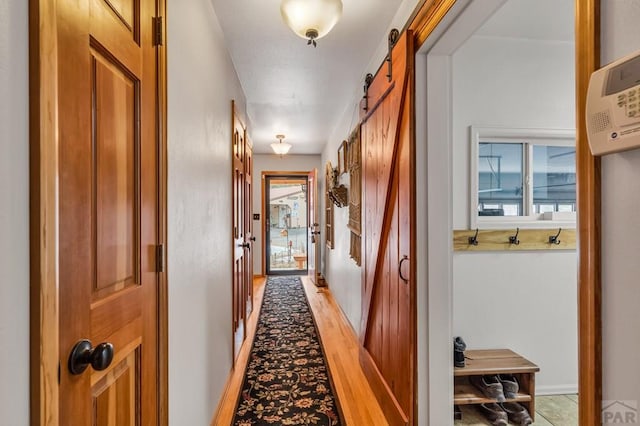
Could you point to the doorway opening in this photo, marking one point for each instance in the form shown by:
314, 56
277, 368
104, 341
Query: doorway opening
471, 35
286, 225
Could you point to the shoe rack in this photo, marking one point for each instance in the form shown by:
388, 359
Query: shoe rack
495, 361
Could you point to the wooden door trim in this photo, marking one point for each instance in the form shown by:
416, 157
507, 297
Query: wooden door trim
587, 21
587, 59
43, 215
263, 231
163, 293
43, 212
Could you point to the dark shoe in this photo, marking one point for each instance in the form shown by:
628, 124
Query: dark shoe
495, 414
509, 385
517, 413
457, 413
459, 347
490, 386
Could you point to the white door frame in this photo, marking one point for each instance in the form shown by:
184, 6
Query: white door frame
435, 228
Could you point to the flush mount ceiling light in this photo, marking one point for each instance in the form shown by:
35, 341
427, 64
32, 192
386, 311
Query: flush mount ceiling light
280, 148
311, 19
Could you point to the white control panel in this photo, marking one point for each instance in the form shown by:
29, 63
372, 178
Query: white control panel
613, 106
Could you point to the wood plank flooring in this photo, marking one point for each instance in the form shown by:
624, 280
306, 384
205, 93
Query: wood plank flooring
556, 410
358, 403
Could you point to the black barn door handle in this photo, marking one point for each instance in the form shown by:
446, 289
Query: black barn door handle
405, 257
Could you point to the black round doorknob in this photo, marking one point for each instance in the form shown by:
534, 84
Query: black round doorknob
83, 355
252, 238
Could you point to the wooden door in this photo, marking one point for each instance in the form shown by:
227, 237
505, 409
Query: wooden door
313, 251
108, 210
241, 245
248, 223
388, 320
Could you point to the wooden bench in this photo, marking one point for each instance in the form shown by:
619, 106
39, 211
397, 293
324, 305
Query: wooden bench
495, 361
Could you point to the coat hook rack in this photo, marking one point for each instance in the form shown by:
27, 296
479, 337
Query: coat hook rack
553, 239
513, 239
473, 241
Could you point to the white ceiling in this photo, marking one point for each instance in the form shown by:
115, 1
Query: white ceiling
532, 19
292, 88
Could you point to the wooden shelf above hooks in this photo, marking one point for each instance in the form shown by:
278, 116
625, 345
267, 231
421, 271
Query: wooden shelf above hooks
498, 239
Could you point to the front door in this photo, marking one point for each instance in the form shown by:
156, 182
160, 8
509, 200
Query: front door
109, 212
286, 204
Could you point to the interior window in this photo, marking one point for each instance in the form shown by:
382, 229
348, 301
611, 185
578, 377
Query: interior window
523, 175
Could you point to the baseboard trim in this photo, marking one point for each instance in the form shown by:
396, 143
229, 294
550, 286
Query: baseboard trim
223, 397
556, 390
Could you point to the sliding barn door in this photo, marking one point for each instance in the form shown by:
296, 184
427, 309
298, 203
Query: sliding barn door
388, 320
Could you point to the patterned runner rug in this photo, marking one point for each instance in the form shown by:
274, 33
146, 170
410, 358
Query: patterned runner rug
287, 380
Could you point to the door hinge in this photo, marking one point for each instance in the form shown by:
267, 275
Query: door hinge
160, 258
157, 31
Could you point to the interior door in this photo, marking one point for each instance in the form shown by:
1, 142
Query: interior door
313, 255
241, 245
388, 320
109, 212
248, 223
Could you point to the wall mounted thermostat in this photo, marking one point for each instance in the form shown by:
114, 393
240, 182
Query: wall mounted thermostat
613, 106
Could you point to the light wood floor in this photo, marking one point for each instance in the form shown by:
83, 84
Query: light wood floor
359, 405
557, 410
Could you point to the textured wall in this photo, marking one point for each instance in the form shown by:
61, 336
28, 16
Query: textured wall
202, 83
620, 228
14, 214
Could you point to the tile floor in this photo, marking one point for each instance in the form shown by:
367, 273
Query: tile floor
556, 410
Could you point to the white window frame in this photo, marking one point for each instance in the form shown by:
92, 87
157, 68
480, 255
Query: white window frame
530, 137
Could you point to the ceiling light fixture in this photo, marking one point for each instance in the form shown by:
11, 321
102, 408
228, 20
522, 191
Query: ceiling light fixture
280, 148
311, 19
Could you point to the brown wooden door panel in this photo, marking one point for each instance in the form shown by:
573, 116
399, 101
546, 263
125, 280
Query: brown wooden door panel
109, 208
116, 165
388, 319
116, 393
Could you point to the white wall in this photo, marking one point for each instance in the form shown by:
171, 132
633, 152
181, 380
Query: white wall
202, 83
273, 163
14, 214
620, 228
503, 299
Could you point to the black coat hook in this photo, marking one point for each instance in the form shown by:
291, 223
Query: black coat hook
513, 239
553, 239
473, 241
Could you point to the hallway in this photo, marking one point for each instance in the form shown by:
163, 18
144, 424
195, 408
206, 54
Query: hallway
357, 401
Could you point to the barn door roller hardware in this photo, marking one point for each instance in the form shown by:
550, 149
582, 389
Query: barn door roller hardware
394, 35
367, 83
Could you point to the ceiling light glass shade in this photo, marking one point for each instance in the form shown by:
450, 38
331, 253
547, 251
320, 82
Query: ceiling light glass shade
316, 17
280, 148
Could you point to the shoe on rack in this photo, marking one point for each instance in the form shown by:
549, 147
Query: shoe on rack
509, 385
459, 347
490, 386
495, 414
457, 413
517, 414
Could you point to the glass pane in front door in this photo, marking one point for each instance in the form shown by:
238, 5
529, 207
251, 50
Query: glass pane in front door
286, 208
